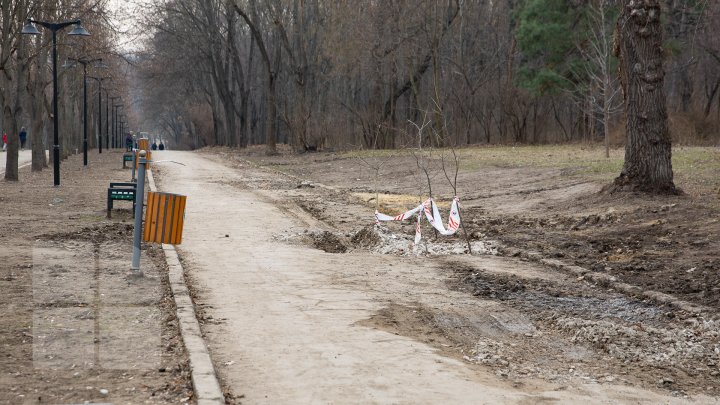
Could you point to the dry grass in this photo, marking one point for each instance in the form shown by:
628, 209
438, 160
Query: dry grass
697, 169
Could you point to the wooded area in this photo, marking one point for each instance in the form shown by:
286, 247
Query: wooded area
354, 74
346, 74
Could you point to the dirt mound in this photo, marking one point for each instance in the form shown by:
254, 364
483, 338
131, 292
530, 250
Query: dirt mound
95, 233
390, 243
366, 237
328, 242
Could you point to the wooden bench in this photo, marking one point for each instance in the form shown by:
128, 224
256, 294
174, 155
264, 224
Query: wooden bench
128, 157
122, 192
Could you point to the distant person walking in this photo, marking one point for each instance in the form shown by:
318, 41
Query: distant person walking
129, 142
4, 141
23, 138
162, 146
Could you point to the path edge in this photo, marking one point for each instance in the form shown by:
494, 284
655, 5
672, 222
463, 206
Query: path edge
204, 378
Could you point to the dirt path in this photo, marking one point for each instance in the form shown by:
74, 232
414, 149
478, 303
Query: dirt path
288, 323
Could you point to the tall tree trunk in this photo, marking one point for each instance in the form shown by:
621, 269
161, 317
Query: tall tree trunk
270, 137
13, 145
648, 149
606, 115
37, 107
36, 137
13, 113
271, 70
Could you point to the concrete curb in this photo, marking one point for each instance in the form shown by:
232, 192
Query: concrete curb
204, 379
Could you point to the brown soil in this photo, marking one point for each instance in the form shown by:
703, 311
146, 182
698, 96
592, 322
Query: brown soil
72, 323
562, 326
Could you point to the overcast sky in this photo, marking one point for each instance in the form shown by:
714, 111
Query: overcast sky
124, 17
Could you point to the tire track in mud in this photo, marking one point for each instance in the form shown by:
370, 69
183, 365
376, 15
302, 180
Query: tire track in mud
634, 340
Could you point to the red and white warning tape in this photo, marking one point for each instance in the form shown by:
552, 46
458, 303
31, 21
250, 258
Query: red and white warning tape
430, 209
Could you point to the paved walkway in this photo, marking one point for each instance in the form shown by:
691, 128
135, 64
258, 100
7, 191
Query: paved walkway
24, 159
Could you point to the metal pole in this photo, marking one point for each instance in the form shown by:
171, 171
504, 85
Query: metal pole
114, 125
107, 120
115, 118
85, 142
139, 201
116, 128
56, 135
122, 128
121, 135
99, 133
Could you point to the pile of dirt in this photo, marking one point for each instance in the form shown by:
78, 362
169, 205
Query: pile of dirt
366, 237
96, 233
328, 242
380, 239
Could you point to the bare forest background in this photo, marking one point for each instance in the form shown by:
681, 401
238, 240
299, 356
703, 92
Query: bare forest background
343, 74
352, 73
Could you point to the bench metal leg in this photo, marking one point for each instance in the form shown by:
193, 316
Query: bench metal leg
109, 205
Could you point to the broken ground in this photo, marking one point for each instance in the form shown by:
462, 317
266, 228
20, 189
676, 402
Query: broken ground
633, 301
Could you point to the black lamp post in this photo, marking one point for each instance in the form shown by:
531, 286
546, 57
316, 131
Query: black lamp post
122, 126
30, 29
84, 63
119, 120
112, 120
107, 119
116, 114
100, 80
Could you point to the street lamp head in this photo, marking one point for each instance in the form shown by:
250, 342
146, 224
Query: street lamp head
79, 30
29, 28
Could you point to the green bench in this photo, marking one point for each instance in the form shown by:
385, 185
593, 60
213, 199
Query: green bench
128, 157
121, 192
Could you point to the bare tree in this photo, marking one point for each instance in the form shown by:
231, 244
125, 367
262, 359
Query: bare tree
603, 81
271, 68
353, 72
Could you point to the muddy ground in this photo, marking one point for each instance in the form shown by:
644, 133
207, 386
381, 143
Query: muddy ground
627, 291
73, 326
